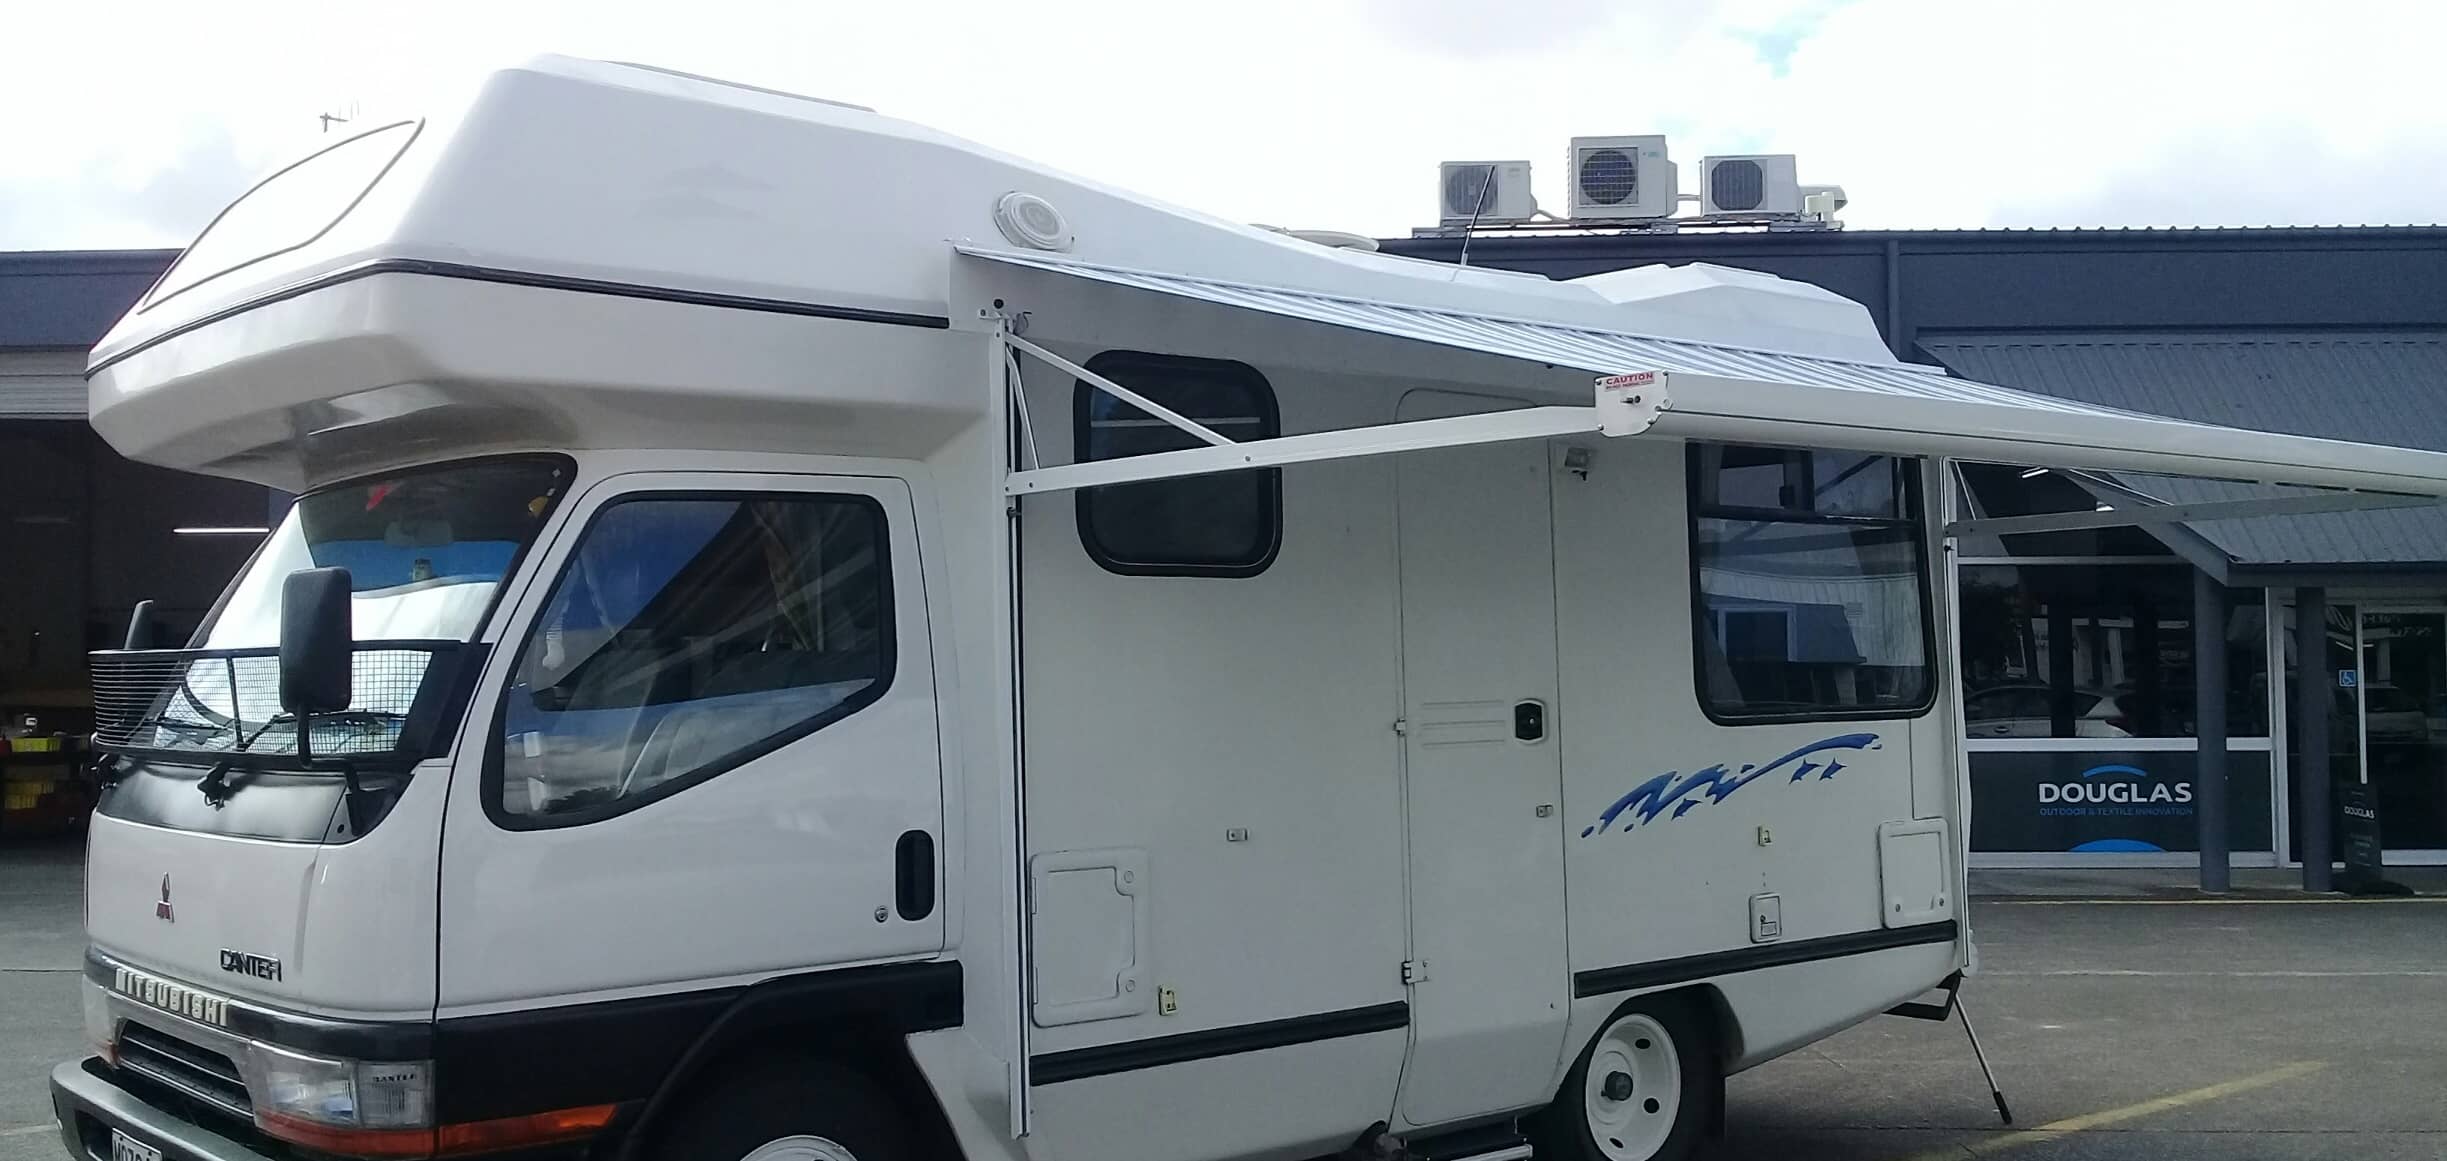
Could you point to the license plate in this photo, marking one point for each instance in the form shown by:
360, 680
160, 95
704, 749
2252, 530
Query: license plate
127, 1148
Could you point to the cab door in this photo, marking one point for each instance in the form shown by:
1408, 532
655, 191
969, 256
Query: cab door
708, 748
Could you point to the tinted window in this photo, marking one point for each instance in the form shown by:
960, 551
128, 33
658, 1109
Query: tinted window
425, 549
2104, 650
686, 635
1810, 594
1217, 525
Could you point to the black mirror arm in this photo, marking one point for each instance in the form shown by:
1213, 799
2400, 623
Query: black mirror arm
215, 783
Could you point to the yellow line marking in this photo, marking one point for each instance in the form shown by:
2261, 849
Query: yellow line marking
1983, 1146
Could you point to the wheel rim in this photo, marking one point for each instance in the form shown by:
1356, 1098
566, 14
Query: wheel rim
1633, 1089
801, 1148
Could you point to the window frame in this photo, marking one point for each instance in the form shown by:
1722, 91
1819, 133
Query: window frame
1117, 365
1916, 519
887, 660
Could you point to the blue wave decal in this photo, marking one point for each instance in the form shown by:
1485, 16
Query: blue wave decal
1685, 793
2135, 771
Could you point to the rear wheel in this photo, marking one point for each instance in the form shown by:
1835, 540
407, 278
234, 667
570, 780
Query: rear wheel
1644, 1089
794, 1110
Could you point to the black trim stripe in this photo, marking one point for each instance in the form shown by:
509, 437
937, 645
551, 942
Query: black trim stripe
470, 273
1661, 973
1131, 1055
615, 1051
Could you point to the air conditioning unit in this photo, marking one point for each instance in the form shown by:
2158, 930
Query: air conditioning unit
1756, 184
1487, 192
1621, 177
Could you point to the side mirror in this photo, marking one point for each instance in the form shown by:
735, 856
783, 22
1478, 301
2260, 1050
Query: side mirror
316, 641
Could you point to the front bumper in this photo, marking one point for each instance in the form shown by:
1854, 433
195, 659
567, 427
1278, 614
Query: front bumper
89, 1107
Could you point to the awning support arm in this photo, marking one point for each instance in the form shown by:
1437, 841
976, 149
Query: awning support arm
1416, 435
1201, 432
2154, 513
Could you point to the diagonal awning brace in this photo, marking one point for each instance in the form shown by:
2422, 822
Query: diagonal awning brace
1624, 405
2146, 512
1417, 435
1196, 429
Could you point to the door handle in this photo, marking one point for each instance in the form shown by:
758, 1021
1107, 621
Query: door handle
1529, 721
913, 875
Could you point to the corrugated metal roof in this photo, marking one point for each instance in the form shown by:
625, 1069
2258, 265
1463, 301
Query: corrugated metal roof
68, 298
2386, 387
2390, 536
42, 384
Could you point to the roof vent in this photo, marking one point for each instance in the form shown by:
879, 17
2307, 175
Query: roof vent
1031, 221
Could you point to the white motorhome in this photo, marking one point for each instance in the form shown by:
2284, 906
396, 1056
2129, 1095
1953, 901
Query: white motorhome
802, 637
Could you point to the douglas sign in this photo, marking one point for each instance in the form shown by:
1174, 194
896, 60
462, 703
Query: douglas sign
2117, 786
2108, 801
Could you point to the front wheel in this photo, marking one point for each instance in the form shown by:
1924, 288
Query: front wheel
1643, 1090
789, 1110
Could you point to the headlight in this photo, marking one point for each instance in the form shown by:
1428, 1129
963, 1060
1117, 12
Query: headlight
364, 1107
101, 1028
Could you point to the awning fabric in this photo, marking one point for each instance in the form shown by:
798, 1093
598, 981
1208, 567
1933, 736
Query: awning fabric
1738, 394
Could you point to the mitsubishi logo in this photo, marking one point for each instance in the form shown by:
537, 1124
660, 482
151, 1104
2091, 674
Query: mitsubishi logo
162, 909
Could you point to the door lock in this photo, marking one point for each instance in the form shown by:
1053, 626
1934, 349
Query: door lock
1529, 721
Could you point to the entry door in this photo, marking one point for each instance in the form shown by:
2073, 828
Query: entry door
1483, 785
2402, 690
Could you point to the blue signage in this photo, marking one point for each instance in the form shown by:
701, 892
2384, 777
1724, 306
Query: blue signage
2109, 801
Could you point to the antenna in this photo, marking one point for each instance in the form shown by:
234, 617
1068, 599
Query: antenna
1476, 208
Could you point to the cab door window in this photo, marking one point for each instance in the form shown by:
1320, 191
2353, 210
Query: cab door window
686, 635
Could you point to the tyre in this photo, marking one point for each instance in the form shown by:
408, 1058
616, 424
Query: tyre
1644, 1090
790, 1110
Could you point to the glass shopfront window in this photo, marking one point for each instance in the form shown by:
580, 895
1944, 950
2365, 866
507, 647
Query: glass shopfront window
2079, 692
2385, 671
2099, 651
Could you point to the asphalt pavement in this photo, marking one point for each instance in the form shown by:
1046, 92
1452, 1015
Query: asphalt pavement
41, 946
2159, 1028
2128, 1019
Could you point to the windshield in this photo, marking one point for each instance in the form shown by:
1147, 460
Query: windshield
425, 550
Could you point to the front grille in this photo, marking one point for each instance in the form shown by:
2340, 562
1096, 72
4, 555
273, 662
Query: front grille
205, 1078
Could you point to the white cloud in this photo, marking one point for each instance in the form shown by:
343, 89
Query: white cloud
129, 125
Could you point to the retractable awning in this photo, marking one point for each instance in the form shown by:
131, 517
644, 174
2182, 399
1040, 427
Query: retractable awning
1691, 390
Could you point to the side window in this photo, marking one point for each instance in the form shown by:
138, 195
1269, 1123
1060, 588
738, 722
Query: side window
1810, 589
1219, 525
687, 634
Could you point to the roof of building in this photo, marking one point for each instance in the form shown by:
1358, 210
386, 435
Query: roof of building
2378, 386
68, 298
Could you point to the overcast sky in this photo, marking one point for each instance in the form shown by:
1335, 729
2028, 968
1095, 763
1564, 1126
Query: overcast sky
129, 124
